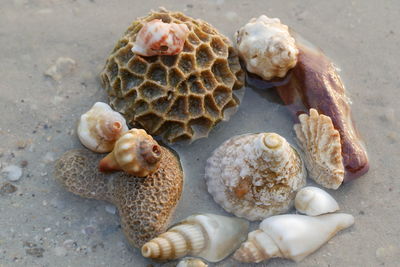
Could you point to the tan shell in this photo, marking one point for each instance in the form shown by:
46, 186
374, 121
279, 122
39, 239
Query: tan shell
145, 205
135, 152
191, 262
100, 127
255, 175
267, 47
212, 237
320, 142
291, 236
178, 97
159, 38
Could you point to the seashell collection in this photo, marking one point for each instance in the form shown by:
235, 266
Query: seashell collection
256, 176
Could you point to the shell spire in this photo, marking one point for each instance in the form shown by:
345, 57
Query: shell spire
320, 142
255, 175
136, 153
100, 128
209, 236
291, 236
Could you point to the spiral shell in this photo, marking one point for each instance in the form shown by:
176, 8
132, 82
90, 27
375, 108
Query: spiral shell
314, 201
320, 142
136, 153
212, 237
266, 47
291, 236
160, 38
255, 175
100, 127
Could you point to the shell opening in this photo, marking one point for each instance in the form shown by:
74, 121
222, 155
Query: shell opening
151, 249
116, 126
151, 152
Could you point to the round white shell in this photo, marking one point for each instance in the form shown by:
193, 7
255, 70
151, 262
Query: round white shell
314, 201
266, 47
270, 176
90, 130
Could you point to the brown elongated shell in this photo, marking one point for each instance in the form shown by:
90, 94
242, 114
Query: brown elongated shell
320, 142
179, 97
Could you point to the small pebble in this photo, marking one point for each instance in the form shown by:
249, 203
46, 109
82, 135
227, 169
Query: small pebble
61, 68
89, 230
49, 157
24, 163
48, 229
36, 252
7, 188
69, 244
12, 173
111, 209
60, 251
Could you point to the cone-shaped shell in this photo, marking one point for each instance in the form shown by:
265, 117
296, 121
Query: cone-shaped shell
291, 236
255, 175
266, 47
212, 237
314, 201
100, 127
136, 153
320, 142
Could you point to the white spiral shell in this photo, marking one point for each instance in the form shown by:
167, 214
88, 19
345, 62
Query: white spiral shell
266, 47
100, 127
314, 201
320, 142
212, 237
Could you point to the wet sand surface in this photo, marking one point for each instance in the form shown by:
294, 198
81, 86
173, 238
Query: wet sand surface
41, 224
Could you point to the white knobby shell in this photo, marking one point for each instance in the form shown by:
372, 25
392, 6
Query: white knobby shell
212, 237
291, 236
159, 38
100, 127
314, 201
191, 262
255, 175
266, 47
322, 148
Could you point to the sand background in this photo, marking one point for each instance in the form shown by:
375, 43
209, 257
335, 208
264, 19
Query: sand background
43, 225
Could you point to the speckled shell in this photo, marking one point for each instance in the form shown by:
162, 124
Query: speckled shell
314, 201
266, 47
291, 236
320, 142
135, 152
159, 38
144, 205
255, 175
100, 127
212, 237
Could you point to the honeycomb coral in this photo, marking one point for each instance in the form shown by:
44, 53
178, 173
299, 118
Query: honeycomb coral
145, 205
178, 97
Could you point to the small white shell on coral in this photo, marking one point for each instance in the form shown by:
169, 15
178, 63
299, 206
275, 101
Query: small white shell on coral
191, 262
255, 175
266, 47
160, 38
314, 201
135, 152
212, 237
291, 236
320, 142
100, 127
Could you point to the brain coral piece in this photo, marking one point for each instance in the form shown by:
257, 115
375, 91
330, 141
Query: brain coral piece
145, 205
266, 47
255, 175
320, 142
178, 97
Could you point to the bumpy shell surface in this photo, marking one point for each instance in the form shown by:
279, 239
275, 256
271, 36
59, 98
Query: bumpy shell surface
160, 38
320, 142
145, 205
255, 175
266, 47
100, 127
191, 262
135, 152
212, 237
314, 201
291, 236
178, 97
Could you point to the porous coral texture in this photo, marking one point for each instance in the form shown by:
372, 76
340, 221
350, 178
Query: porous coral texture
145, 205
179, 97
